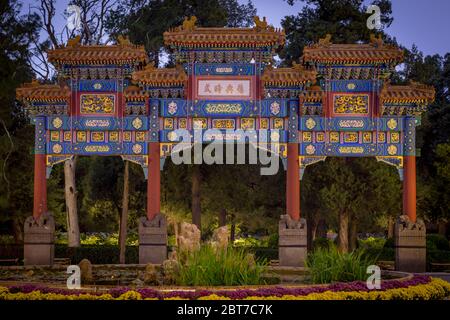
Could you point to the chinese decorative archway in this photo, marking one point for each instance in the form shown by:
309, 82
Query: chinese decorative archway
336, 102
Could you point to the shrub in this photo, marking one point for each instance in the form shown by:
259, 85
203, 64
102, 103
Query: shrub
437, 242
322, 243
214, 267
330, 265
390, 243
372, 243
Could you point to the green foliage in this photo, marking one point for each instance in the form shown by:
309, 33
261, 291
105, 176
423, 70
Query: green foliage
437, 242
322, 243
372, 243
345, 20
389, 243
214, 267
16, 134
330, 265
99, 239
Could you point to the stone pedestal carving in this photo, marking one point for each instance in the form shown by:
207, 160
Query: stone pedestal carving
152, 240
292, 242
39, 239
410, 245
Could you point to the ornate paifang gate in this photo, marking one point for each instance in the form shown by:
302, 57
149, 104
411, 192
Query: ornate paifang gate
337, 102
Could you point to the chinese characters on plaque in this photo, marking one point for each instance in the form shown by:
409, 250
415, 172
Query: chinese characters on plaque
224, 89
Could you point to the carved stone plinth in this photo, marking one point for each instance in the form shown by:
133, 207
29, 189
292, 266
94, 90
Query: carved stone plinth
410, 245
39, 239
292, 242
152, 240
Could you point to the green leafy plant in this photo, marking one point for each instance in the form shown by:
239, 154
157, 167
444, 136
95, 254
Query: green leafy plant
210, 266
330, 265
437, 242
372, 243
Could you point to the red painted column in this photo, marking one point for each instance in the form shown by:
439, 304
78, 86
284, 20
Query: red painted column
409, 187
40, 186
293, 182
153, 181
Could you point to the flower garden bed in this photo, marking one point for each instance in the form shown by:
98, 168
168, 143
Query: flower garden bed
415, 288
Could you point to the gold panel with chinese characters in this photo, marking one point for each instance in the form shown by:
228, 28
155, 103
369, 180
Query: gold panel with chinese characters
127, 136
351, 103
140, 136
334, 137
223, 123
200, 123
278, 123
320, 137
81, 136
182, 123
54, 135
395, 137
382, 137
307, 137
97, 103
168, 123
113, 136
350, 137
97, 136
367, 137
247, 123
264, 123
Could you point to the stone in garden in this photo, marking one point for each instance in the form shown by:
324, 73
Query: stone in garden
188, 237
173, 254
170, 269
137, 282
220, 237
151, 274
86, 271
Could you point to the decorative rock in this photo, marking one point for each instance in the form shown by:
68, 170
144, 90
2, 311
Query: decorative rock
220, 237
170, 270
151, 274
86, 271
137, 283
188, 237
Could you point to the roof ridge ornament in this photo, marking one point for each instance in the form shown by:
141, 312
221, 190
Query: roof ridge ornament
124, 41
262, 25
74, 42
325, 41
188, 24
376, 41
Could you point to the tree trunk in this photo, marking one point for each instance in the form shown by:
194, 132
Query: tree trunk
391, 226
73, 229
353, 235
196, 206
442, 227
124, 216
223, 218
233, 229
343, 231
311, 232
321, 231
18, 231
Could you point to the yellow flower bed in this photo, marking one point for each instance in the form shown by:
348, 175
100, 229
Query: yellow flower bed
436, 289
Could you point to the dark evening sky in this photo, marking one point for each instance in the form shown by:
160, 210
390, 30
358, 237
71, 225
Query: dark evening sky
425, 23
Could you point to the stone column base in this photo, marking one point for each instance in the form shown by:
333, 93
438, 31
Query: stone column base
292, 242
39, 239
410, 245
152, 240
